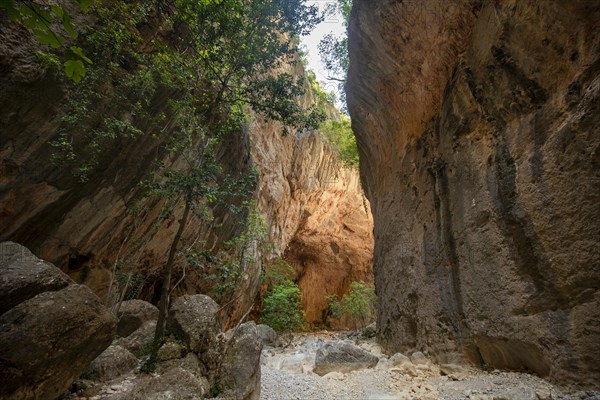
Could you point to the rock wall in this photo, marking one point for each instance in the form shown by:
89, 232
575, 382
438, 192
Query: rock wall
318, 217
478, 134
84, 228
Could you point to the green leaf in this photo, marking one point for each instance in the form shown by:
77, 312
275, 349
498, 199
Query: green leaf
85, 4
45, 36
58, 10
68, 25
75, 70
79, 52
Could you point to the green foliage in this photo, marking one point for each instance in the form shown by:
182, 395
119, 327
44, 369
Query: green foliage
340, 135
282, 308
277, 271
49, 60
220, 57
358, 304
321, 96
333, 50
43, 20
225, 268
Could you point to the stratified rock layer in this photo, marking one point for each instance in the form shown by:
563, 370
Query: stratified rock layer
479, 142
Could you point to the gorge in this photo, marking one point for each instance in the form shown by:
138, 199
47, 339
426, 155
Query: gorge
475, 210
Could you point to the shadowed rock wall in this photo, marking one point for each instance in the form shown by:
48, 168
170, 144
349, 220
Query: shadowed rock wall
84, 228
478, 132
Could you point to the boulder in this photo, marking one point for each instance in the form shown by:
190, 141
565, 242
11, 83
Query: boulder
113, 362
402, 364
369, 331
419, 358
384, 363
342, 357
23, 276
454, 371
267, 334
47, 341
190, 362
400, 359
295, 363
176, 383
194, 321
240, 368
133, 314
139, 341
170, 351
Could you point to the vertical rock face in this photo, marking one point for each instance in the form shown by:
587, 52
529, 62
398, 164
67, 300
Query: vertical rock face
478, 131
319, 219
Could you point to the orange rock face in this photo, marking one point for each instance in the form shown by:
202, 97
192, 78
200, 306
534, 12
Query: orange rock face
318, 216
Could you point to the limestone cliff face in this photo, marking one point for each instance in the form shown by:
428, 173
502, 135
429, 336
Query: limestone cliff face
319, 219
84, 228
479, 141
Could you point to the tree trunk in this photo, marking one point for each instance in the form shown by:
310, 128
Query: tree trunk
163, 304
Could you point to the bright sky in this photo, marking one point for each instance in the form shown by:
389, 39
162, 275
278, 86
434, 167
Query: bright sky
310, 44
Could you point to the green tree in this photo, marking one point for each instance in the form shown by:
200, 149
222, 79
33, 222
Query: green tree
230, 49
333, 49
340, 135
358, 304
282, 309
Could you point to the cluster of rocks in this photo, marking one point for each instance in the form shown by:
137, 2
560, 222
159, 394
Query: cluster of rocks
54, 332
197, 360
330, 358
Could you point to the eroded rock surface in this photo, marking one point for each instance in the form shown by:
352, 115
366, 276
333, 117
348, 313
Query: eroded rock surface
240, 369
342, 357
48, 338
319, 219
133, 314
477, 124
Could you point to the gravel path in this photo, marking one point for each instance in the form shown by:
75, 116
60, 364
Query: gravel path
287, 375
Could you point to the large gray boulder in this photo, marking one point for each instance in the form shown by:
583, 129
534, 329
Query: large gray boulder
267, 334
240, 368
342, 357
194, 321
52, 330
113, 362
139, 341
23, 275
132, 315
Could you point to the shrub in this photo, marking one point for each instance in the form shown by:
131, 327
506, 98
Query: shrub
339, 134
282, 308
358, 304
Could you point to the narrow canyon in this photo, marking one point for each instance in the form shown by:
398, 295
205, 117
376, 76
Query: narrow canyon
183, 216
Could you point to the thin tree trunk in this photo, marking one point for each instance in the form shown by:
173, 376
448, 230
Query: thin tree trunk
163, 304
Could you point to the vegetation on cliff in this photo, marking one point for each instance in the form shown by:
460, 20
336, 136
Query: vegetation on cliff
185, 73
358, 304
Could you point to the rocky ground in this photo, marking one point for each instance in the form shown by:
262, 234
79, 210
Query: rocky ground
288, 374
